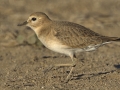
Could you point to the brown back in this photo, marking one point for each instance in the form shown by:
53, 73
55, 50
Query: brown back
77, 36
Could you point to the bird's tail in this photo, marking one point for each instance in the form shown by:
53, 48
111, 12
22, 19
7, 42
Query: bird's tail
114, 39
108, 39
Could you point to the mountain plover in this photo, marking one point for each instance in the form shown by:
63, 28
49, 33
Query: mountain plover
65, 37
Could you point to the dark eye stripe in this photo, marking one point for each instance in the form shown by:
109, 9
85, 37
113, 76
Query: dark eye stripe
33, 19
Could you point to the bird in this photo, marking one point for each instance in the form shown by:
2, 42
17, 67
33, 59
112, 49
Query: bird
65, 37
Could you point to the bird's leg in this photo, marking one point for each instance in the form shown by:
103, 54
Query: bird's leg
74, 59
57, 65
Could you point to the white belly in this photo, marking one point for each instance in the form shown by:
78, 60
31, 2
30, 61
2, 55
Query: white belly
60, 48
56, 46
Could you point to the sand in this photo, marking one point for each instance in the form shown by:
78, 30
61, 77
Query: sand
23, 58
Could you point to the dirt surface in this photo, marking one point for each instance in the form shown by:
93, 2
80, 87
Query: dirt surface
23, 58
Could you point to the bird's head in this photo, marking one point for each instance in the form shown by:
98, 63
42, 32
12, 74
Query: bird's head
36, 20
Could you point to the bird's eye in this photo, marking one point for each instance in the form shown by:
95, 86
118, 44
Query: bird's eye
33, 19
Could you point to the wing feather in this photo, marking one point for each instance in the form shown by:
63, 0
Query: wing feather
75, 35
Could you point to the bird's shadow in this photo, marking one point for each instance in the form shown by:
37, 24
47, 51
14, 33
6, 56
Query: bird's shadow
81, 76
117, 66
91, 75
95, 74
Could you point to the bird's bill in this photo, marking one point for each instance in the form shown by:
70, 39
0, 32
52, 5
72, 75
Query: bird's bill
24, 23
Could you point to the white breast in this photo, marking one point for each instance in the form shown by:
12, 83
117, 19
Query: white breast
56, 46
60, 48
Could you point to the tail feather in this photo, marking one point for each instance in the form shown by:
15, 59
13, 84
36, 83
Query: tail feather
108, 39
115, 39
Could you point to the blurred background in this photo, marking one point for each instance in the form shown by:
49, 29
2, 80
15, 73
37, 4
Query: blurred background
102, 16
23, 58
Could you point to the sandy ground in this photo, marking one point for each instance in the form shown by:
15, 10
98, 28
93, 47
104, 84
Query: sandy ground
23, 58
